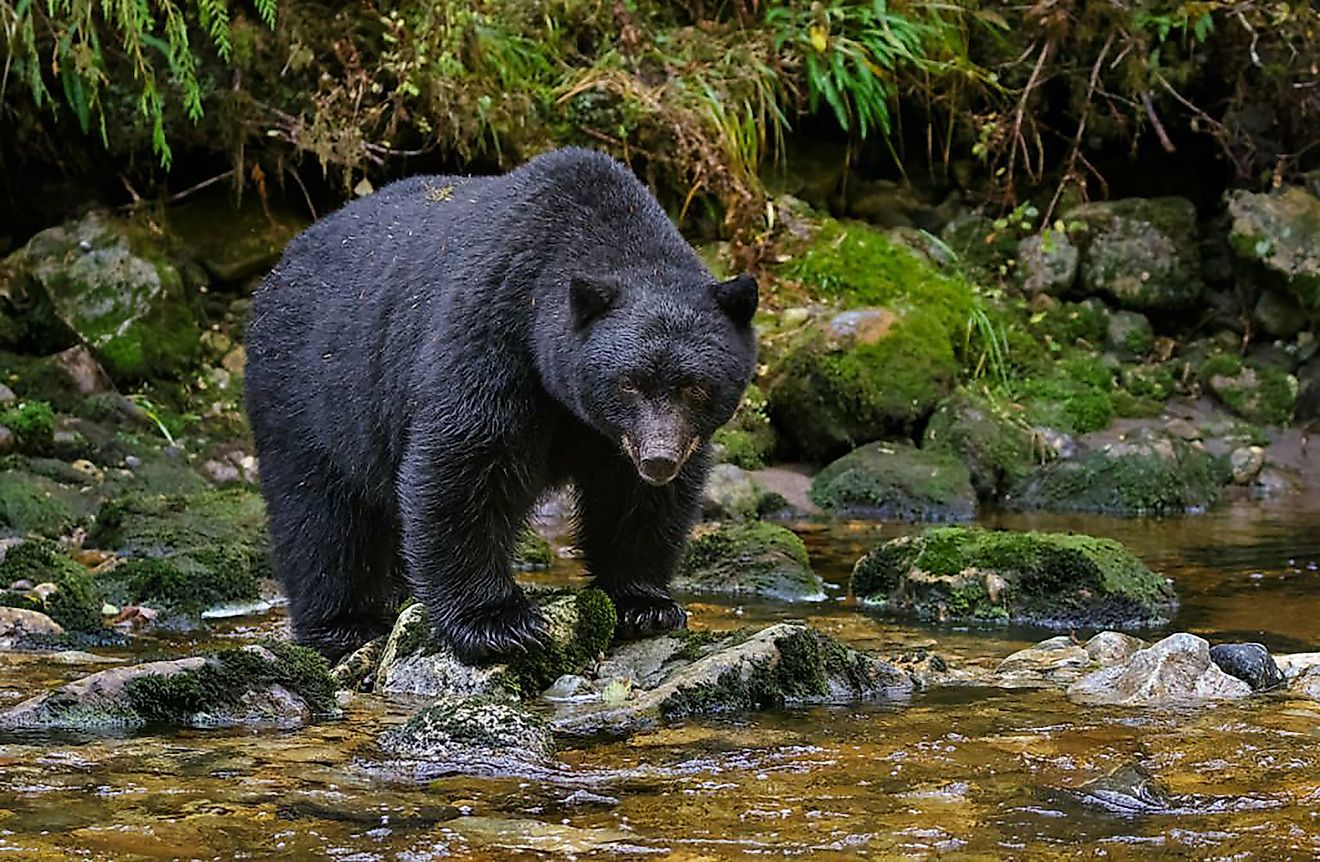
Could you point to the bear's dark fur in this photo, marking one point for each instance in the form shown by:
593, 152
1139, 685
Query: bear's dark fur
424, 363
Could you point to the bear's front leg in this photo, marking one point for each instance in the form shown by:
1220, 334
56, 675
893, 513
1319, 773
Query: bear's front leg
632, 535
461, 506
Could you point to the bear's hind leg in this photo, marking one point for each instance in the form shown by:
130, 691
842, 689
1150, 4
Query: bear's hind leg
334, 555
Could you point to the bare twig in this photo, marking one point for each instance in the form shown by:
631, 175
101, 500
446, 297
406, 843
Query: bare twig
1075, 153
1020, 113
202, 185
1155, 121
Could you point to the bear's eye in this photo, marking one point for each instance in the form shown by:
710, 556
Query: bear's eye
694, 393
628, 387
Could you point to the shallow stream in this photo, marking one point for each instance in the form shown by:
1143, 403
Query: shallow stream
967, 772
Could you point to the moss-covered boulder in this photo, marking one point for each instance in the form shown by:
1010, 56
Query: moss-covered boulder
752, 559
581, 627
33, 504
185, 553
877, 368
473, 732
991, 437
76, 601
898, 481
273, 683
1047, 263
1075, 395
672, 677
1058, 580
1264, 394
747, 440
1143, 253
1280, 233
107, 283
1147, 475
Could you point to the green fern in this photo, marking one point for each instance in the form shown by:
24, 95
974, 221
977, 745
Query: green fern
146, 32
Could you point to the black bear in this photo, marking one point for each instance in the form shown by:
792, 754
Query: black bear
427, 361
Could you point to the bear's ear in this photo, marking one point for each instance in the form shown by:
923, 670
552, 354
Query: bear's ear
590, 298
738, 298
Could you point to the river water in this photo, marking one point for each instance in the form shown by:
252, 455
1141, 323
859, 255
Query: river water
964, 772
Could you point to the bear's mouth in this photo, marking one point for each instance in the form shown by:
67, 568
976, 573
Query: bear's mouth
657, 464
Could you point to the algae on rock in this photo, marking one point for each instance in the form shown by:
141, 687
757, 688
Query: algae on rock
896, 480
76, 602
749, 559
1058, 580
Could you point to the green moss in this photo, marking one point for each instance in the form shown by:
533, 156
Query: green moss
895, 480
76, 602
1072, 324
749, 558
190, 548
33, 424
748, 440
826, 398
1056, 579
1257, 392
1066, 403
224, 680
1220, 365
1129, 479
860, 266
990, 436
532, 551
593, 632
34, 504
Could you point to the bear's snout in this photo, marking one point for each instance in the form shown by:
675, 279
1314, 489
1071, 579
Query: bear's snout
660, 446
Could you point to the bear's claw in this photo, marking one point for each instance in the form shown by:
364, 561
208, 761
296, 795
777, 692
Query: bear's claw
501, 631
640, 616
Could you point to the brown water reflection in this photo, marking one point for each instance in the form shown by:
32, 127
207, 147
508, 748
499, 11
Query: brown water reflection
964, 773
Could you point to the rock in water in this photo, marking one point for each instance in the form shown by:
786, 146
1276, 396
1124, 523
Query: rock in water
896, 480
694, 674
1059, 580
472, 732
1177, 671
271, 684
411, 663
750, 559
1249, 662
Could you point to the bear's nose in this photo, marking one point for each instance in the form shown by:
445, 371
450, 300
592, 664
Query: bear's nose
658, 471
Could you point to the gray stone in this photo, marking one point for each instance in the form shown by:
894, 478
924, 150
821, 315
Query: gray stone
1047, 263
1141, 252
1249, 662
1280, 232
412, 663
1279, 314
473, 732
84, 374
7, 396
1246, 463
730, 494
1176, 671
1130, 334
1111, 648
18, 625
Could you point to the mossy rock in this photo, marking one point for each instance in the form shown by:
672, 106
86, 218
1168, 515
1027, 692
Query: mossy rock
749, 559
1143, 253
747, 440
532, 551
991, 437
77, 601
478, 730
898, 481
1070, 324
271, 683
1060, 580
581, 630
1280, 232
1152, 476
1075, 396
108, 283
186, 553
857, 377
32, 504
1259, 393
33, 425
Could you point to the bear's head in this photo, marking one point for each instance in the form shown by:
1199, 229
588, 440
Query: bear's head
659, 367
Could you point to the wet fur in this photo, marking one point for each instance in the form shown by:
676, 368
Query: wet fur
426, 362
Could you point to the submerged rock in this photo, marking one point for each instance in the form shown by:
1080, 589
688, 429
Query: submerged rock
694, 674
749, 559
1249, 662
1177, 671
1059, 580
1141, 252
271, 684
896, 480
472, 732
